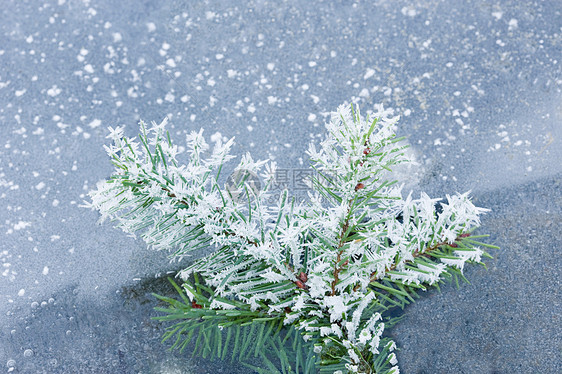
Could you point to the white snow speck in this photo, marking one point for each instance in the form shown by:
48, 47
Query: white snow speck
409, 11
270, 66
211, 82
45, 270
21, 225
89, 68
95, 123
311, 117
231, 73
53, 91
117, 37
171, 63
369, 73
29, 39
271, 100
83, 51
20, 92
513, 24
151, 26
55, 202
21, 292
219, 56
497, 15
312, 64
216, 137
169, 97
40, 185
364, 93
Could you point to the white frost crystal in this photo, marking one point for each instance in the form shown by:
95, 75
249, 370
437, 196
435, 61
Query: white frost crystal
329, 267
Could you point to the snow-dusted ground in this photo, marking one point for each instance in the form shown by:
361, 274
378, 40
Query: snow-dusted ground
478, 86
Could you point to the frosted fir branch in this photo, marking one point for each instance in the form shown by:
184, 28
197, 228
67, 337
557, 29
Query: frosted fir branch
328, 268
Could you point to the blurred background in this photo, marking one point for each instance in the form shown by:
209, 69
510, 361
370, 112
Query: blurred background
477, 85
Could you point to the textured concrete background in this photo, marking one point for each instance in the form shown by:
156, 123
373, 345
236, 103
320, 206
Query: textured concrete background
478, 86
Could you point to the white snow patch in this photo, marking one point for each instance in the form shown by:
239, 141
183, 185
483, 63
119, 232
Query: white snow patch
369, 73
45, 270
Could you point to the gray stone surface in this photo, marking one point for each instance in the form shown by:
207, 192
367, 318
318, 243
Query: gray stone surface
478, 86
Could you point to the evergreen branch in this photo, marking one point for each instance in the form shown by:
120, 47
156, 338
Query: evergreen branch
309, 283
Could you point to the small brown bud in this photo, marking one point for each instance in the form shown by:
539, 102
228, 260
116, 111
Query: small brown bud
303, 277
366, 151
454, 245
466, 234
359, 186
195, 305
300, 285
288, 310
